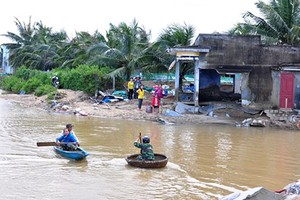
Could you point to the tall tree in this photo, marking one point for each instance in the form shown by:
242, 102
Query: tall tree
124, 49
174, 36
75, 52
24, 37
35, 45
279, 24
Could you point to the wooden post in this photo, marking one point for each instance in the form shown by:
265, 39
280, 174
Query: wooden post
114, 82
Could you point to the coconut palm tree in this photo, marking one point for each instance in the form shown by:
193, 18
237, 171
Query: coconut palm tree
25, 36
35, 45
75, 52
176, 35
124, 49
280, 22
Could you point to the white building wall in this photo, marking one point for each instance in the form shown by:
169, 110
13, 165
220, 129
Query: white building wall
7, 69
238, 83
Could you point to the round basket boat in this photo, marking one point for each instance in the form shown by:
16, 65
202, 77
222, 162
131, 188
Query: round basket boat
159, 162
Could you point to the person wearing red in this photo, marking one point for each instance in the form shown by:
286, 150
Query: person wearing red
155, 103
159, 91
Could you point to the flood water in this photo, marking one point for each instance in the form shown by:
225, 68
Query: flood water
205, 161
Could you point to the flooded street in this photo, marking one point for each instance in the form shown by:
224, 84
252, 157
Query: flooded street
205, 161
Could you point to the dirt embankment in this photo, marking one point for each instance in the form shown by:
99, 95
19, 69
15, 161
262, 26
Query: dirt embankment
76, 102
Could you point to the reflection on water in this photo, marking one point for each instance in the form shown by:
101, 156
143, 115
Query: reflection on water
205, 161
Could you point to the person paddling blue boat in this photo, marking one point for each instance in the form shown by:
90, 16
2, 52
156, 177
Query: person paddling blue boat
70, 128
70, 141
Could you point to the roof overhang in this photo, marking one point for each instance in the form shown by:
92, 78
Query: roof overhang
233, 69
187, 51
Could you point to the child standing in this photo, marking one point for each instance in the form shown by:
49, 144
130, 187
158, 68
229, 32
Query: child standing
141, 93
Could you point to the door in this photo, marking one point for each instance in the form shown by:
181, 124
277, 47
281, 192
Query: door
287, 90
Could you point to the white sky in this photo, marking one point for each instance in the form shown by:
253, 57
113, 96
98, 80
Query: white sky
207, 16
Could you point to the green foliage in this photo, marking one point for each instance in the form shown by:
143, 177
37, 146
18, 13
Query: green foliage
31, 85
125, 49
278, 22
9, 83
85, 78
44, 89
23, 73
17, 87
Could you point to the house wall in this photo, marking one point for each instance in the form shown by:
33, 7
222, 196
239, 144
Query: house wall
260, 88
245, 51
260, 84
237, 83
275, 96
259, 67
245, 90
256, 90
263, 92
5, 60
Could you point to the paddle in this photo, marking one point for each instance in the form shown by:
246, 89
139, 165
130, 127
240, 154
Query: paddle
44, 144
140, 137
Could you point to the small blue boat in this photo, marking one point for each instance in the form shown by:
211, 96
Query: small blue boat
79, 154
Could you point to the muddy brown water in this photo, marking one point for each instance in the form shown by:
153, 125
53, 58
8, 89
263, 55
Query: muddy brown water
205, 161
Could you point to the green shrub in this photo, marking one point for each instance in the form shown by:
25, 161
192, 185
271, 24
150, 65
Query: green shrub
23, 73
10, 81
31, 85
17, 87
84, 78
44, 89
26, 74
44, 77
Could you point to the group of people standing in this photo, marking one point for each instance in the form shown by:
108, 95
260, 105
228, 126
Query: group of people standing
136, 91
133, 86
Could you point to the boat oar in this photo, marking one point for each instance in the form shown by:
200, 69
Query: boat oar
45, 144
140, 137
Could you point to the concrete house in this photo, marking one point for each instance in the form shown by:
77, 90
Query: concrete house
6, 68
263, 76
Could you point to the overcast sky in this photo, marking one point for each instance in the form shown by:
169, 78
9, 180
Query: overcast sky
207, 16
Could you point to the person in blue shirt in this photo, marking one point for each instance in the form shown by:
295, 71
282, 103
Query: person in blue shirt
70, 142
70, 128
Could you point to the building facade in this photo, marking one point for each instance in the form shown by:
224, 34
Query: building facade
5, 66
263, 76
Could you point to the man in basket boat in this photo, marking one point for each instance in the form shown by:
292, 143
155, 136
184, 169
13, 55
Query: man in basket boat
146, 148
